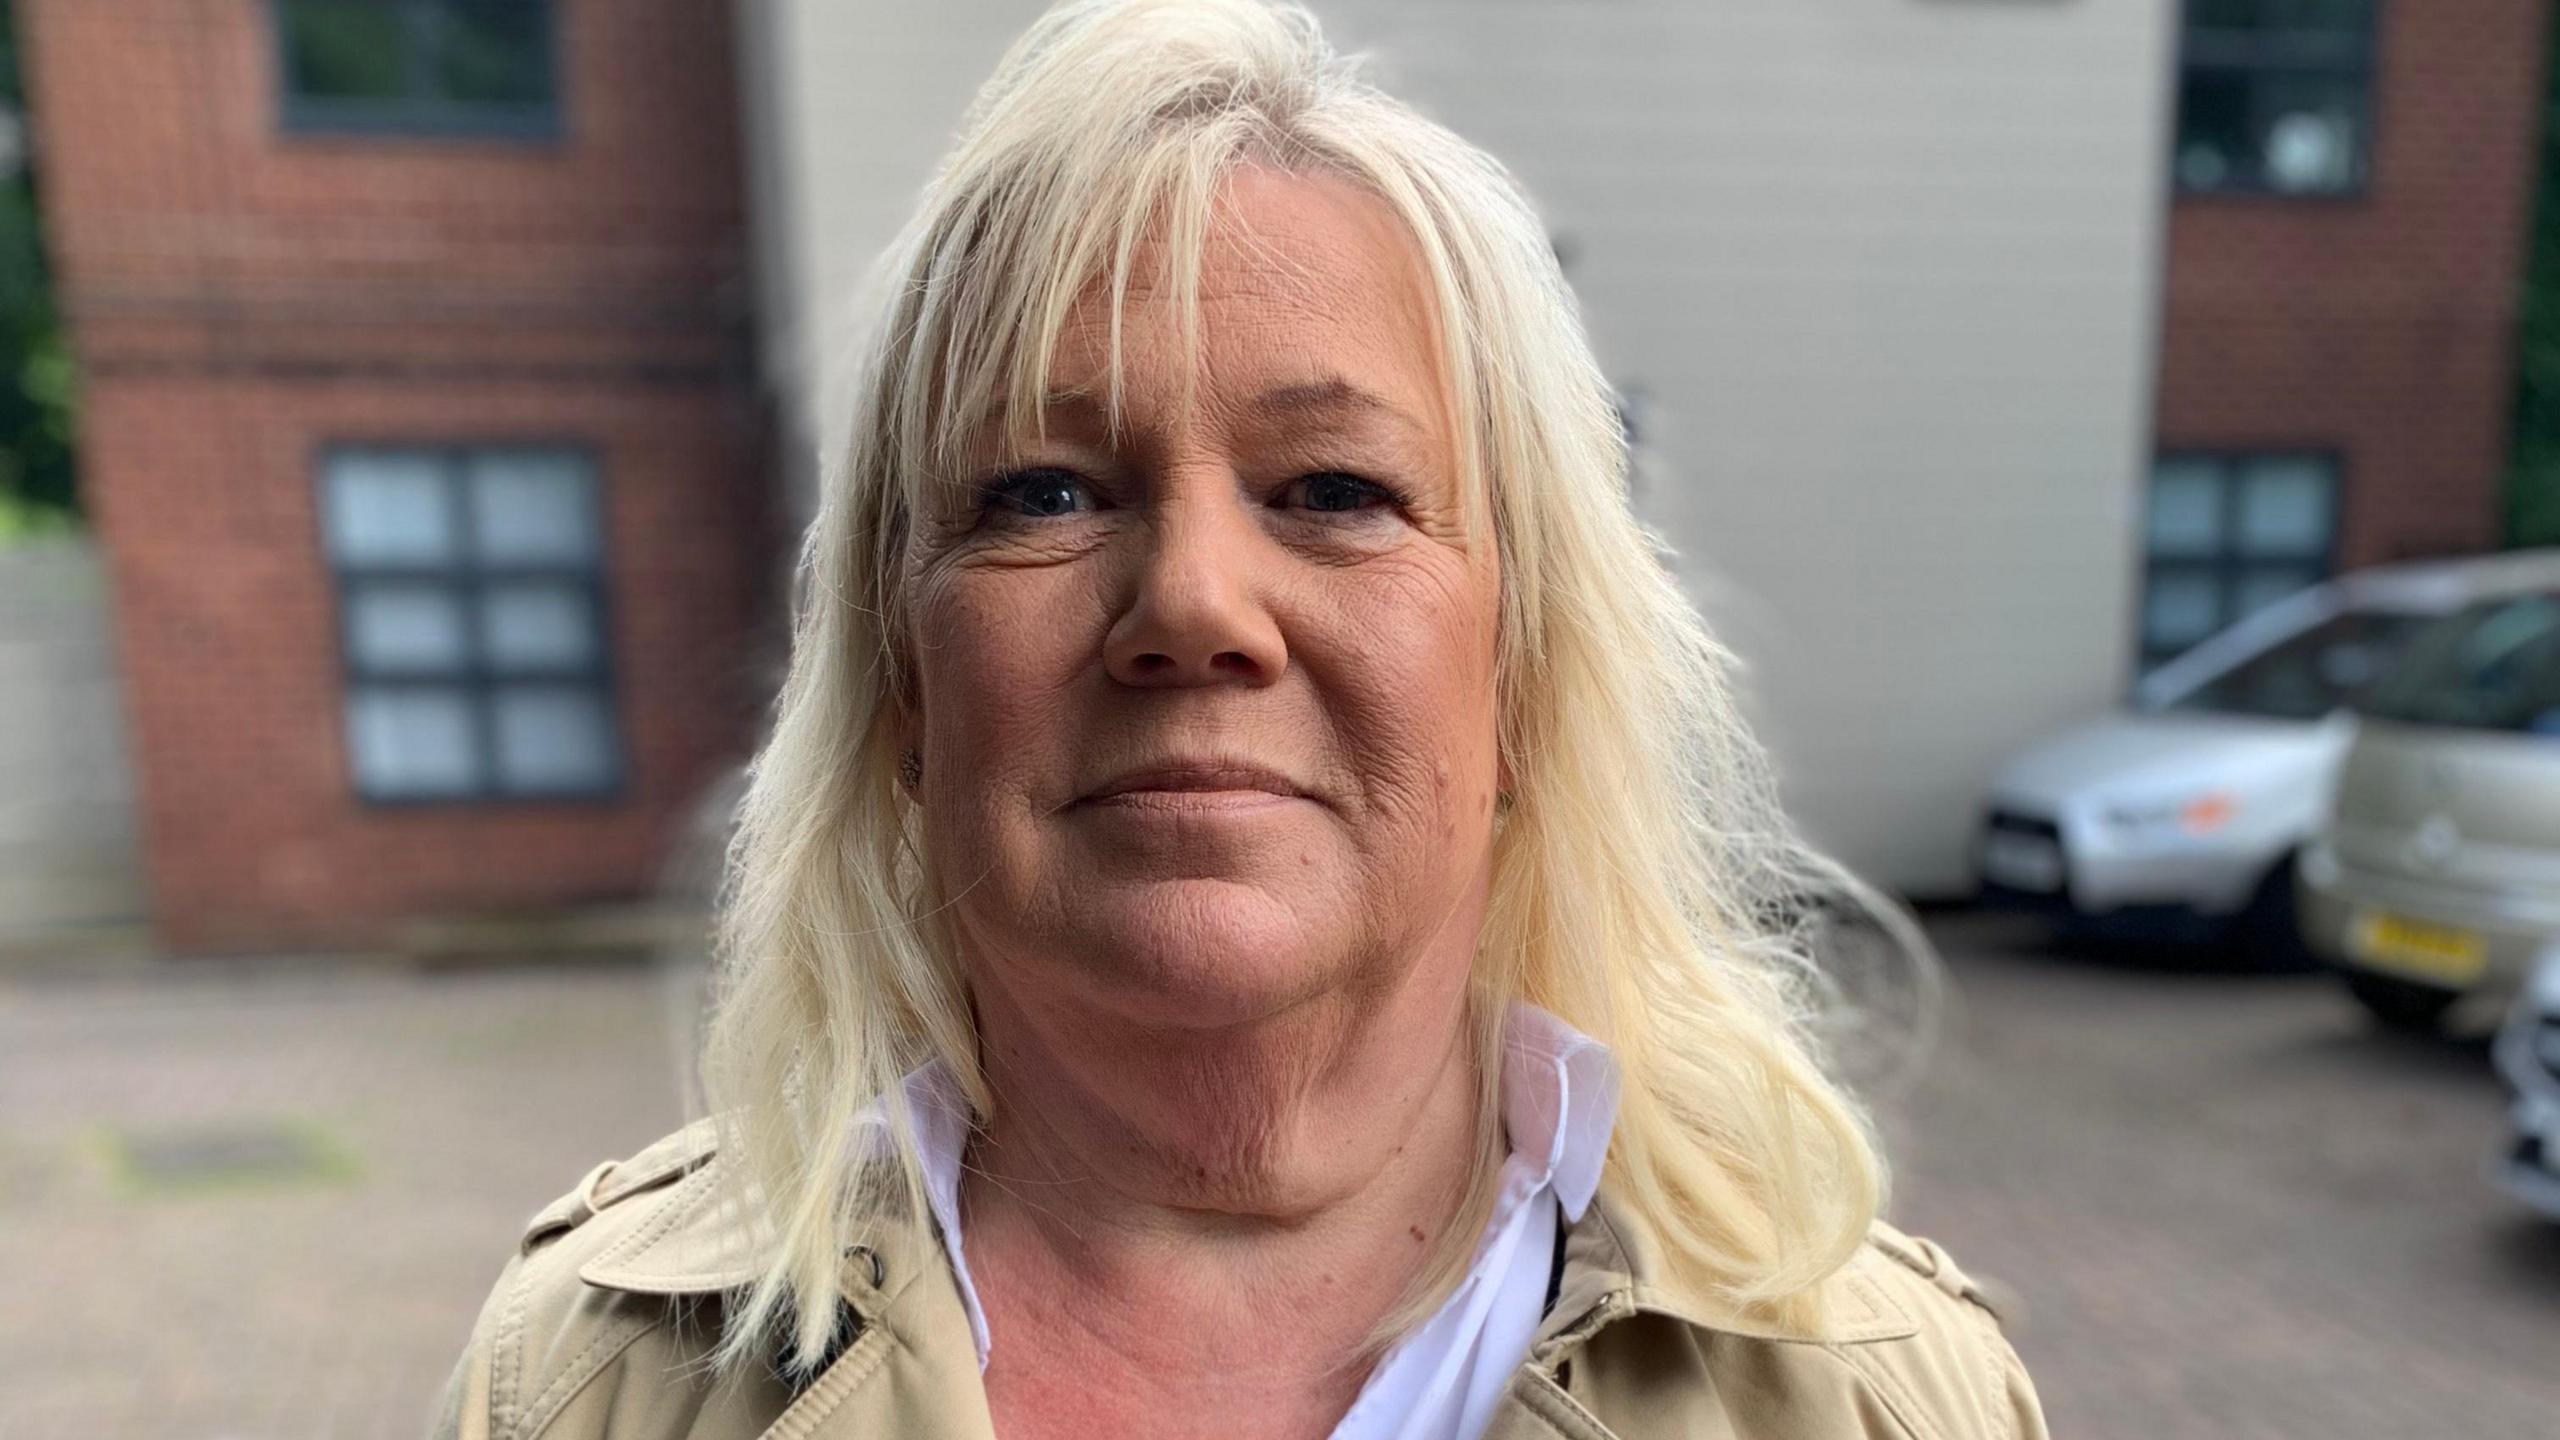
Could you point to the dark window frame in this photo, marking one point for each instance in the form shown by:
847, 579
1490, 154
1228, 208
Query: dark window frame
2244, 53
2228, 567
420, 116
470, 579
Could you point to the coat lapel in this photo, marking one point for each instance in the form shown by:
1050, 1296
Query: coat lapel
1536, 1408
912, 1369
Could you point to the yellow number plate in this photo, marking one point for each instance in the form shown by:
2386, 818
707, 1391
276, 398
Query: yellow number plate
2441, 953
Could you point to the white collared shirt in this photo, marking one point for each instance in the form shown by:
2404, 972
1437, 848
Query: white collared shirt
1559, 1104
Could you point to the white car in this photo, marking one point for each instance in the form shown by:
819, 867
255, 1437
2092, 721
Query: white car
2184, 811
2529, 1058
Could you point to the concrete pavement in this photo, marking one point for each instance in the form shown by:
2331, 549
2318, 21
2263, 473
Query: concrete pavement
264, 1203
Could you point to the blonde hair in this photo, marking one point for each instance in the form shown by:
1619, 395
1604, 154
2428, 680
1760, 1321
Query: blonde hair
1646, 887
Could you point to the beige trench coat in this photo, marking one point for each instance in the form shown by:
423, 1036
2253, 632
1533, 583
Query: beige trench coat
601, 1323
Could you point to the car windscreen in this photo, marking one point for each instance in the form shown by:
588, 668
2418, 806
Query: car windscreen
2311, 672
2492, 666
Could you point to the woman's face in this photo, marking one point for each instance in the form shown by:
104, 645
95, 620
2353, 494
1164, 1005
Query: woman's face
1206, 709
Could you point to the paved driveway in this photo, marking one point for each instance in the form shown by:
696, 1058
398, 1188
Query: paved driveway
2229, 1207
265, 1204
258, 1207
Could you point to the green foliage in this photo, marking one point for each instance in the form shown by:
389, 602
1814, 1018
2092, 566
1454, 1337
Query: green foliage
38, 482
2533, 480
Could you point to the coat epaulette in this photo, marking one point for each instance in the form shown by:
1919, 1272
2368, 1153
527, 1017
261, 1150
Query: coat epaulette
618, 1180
1930, 1261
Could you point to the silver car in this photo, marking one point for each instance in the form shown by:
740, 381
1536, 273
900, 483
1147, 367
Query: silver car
2182, 812
2435, 882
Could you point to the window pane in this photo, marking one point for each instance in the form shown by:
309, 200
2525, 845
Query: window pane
2216, 144
2298, 133
2307, 132
2285, 505
2264, 585
2186, 507
2179, 609
2274, 95
539, 626
2312, 672
345, 49
389, 507
2495, 666
407, 627
553, 740
493, 52
533, 507
2282, 17
412, 743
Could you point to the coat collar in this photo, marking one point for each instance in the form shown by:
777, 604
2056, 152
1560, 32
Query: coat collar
1614, 1268
686, 1238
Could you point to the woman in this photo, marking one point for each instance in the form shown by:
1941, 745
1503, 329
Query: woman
1257, 916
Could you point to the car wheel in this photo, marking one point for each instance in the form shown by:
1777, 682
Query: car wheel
2267, 934
2399, 1004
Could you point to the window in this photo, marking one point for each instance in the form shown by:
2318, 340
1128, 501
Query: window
2275, 96
2227, 535
418, 66
471, 620
2494, 666
2312, 672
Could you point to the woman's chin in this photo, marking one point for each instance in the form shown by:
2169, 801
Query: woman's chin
1207, 953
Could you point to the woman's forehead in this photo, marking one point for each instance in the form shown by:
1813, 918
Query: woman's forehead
1303, 299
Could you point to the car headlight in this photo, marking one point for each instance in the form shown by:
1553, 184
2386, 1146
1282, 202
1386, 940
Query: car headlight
2194, 815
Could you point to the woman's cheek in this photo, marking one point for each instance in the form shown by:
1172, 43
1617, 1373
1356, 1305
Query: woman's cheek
999, 652
992, 629
1412, 661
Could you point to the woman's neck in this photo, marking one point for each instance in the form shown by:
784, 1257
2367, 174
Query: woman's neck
1170, 1228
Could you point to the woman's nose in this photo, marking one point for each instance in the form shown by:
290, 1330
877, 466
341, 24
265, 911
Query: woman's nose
1196, 615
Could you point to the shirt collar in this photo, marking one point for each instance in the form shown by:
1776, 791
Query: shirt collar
1559, 1103
942, 1121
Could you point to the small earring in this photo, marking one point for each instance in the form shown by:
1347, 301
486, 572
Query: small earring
911, 767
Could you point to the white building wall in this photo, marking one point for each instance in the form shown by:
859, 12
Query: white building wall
69, 855
1882, 271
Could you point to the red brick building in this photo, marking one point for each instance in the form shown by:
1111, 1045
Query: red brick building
2353, 183
421, 429
421, 436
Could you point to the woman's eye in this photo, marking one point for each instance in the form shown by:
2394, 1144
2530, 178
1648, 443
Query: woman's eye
1041, 493
1335, 491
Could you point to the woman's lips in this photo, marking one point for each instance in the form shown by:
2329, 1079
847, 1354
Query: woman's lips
1200, 786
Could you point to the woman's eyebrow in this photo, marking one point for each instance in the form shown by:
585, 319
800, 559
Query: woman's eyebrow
1080, 412
1333, 397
